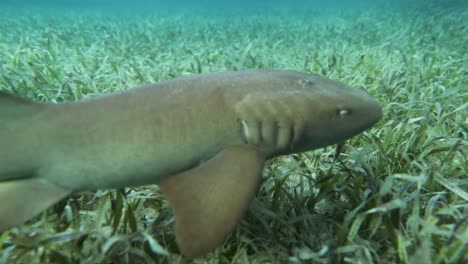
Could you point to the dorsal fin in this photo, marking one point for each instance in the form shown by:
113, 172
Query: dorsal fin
209, 200
13, 107
10, 100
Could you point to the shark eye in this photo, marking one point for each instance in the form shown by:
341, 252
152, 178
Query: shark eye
342, 112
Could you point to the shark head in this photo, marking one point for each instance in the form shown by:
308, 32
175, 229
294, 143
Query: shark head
333, 112
292, 112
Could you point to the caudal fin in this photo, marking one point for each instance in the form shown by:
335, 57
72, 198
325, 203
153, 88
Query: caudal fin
22, 199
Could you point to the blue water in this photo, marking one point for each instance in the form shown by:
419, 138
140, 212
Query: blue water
299, 28
233, 4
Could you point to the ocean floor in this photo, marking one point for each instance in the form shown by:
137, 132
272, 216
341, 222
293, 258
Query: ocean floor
394, 194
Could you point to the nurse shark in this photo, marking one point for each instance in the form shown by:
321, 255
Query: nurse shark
203, 139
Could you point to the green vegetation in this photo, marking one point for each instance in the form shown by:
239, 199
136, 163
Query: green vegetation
395, 194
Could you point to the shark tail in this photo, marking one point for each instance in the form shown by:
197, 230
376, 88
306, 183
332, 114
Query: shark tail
23, 195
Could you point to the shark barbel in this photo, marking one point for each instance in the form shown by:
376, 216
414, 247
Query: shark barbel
203, 139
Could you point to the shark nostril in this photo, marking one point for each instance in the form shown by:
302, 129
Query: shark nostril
306, 82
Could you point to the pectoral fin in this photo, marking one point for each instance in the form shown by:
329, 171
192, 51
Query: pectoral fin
25, 198
208, 201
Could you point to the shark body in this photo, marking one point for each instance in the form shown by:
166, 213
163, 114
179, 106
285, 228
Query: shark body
203, 139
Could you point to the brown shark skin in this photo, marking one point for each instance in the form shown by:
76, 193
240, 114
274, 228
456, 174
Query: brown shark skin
144, 134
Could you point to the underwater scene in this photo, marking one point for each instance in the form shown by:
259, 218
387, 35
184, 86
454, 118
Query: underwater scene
76, 183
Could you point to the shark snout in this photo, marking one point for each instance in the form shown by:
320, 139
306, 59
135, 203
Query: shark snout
374, 111
358, 111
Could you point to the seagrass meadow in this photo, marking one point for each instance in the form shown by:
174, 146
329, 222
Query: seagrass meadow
394, 194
